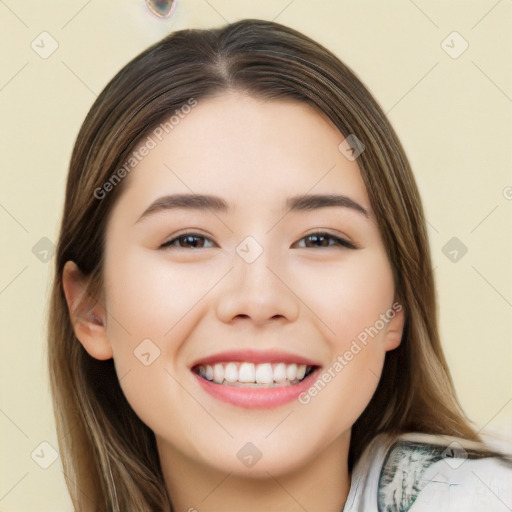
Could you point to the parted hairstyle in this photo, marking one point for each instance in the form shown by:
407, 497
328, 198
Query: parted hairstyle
109, 455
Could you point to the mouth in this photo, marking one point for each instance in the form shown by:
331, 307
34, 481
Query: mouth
255, 379
245, 374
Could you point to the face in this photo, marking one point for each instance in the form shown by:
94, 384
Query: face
262, 318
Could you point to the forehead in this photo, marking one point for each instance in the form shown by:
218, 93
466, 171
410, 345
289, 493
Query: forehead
248, 150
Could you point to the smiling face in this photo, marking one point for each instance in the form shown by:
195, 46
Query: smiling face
256, 282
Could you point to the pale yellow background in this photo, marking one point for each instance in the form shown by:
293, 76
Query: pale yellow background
454, 117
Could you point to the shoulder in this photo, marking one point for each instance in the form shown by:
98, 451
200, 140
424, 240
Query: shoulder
425, 472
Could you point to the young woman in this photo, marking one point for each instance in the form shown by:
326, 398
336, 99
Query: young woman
243, 314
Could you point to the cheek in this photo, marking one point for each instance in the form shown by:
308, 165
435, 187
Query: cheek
148, 297
153, 307
351, 297
351, 304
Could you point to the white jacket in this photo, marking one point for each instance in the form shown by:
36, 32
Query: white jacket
429, 473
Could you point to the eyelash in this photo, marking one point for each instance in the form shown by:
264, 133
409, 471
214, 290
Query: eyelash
339, 241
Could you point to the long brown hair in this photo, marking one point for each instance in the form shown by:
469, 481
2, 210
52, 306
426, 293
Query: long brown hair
109, 456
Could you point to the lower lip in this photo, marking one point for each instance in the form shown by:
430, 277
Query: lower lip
257, 398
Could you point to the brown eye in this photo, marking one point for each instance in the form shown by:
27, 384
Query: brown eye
186, 241
324, 240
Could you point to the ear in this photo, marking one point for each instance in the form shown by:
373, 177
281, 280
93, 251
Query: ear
395, 327
87, 315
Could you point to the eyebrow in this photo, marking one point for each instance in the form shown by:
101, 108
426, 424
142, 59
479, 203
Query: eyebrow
203, 202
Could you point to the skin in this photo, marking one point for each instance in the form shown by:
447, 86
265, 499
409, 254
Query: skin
298, 296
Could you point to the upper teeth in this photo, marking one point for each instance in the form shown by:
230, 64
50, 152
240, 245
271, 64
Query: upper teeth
243, 372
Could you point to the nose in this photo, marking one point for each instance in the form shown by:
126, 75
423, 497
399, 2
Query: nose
258, 292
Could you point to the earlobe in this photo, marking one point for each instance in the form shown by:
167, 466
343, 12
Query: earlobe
395, 328
86, 313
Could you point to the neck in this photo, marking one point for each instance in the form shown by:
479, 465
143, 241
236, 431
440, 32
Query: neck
319, 484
